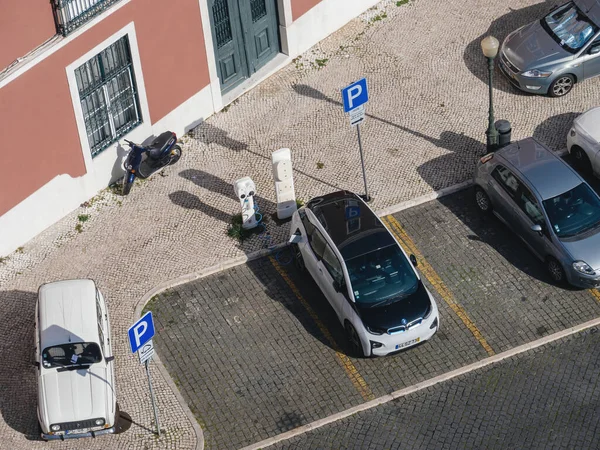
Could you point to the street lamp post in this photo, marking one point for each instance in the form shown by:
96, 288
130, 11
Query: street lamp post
490, 45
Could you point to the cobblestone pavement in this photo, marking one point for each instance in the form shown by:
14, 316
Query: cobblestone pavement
253, 362
545, 399
424, 129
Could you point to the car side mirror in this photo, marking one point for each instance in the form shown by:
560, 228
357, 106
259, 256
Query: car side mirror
296, 238
594, 49
537, 228
109, 358
413, 260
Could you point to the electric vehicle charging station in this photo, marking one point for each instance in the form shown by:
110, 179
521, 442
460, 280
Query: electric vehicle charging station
284, 183
245, 189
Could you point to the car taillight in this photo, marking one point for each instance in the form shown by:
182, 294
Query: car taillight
486, 158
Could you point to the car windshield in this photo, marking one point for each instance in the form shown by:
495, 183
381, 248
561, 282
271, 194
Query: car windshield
381, 277
570, 27
71, 354
574, 212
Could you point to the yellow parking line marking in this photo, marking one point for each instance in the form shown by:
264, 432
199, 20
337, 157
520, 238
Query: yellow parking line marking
435, 280
357, 380
596, 294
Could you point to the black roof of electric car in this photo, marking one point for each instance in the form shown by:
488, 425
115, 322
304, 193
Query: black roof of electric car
351, 225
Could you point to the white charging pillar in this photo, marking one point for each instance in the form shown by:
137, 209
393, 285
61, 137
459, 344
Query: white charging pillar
284, 183
245, 189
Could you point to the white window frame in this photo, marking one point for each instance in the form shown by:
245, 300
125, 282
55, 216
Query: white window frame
143, 130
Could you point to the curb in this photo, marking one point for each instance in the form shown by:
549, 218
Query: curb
233, 262
186, 279
594, 323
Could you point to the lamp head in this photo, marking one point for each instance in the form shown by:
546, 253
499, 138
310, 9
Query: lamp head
489, 46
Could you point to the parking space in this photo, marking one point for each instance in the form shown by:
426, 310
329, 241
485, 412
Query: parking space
256, 350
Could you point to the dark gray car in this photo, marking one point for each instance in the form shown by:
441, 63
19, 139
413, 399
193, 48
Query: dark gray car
548, 205
550, 55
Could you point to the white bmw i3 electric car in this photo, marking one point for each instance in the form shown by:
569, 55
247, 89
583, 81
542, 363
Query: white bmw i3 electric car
365, 275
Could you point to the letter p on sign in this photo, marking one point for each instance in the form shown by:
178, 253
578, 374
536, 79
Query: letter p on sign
141, 332
355, 95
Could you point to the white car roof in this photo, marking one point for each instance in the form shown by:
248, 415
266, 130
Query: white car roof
589, 122
67, 312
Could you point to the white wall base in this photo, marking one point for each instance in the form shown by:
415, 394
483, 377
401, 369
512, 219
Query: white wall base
63, 194
319, 22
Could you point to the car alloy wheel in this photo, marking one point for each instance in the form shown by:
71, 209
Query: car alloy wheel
298, 259
555, 270
354, 340
482, 200
562, 86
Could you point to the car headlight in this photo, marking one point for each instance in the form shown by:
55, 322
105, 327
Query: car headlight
583, 267
374, 330
535, 73
99, 422
55, 427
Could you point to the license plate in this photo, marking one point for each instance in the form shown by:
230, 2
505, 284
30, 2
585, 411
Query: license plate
82, 430
406, 344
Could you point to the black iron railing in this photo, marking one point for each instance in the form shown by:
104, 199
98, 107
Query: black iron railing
71, 14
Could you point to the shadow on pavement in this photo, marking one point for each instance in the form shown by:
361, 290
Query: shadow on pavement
465, 149
553, 131
489, 230
18, 384
500, 28
209, 134
191, 201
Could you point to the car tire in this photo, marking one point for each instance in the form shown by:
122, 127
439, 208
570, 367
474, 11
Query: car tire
482, 200
581, 161
298, 258
353, 339
561, 86
556, 271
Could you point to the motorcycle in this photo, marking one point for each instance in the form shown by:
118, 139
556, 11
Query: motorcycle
144, 161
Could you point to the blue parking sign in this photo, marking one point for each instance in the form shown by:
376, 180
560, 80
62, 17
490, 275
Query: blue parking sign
355, 95
141, 332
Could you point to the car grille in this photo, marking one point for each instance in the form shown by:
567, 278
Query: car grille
91, 423
508, 64
403, 328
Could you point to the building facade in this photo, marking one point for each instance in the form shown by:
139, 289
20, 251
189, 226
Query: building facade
77, 76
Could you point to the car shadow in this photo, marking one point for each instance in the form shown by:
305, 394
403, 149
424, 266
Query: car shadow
489, 230
18, 389
552, 132
500, 28
299, 294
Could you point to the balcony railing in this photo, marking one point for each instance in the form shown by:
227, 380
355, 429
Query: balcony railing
71, 14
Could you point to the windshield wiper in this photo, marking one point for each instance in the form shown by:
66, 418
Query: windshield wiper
64, 368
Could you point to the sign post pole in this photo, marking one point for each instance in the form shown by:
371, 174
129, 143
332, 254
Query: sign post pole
153, 401
355, 96
362, 163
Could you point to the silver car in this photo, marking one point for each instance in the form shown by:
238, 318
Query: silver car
550, 55
548, 205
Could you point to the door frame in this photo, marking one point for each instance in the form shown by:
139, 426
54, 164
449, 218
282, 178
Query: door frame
284, 20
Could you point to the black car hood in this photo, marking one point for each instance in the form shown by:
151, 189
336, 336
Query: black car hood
532, 47
389, 316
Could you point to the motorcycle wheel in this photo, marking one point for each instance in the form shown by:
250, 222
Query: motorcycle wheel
175, 154
126, 185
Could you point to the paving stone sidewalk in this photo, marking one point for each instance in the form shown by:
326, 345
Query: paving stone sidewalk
424, 130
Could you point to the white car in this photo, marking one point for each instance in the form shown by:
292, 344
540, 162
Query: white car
365, 275
74, 360
583, 141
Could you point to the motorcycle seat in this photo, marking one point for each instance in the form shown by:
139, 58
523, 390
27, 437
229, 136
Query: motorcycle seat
155, 149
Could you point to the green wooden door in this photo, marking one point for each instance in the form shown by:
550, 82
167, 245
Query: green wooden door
245, 35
